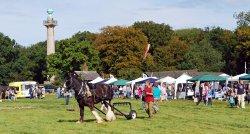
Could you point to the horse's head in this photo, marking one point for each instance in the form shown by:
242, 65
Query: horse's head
74, 82
69, 81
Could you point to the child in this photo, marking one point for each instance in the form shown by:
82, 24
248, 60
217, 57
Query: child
231, 98
210, 97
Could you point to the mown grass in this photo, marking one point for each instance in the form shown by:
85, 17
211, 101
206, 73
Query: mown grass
49, 115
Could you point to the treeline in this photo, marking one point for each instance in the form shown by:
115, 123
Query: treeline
120, 50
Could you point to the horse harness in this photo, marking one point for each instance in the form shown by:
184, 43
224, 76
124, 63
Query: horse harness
88, 93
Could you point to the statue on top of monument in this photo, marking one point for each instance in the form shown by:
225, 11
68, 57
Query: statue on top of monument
50, 12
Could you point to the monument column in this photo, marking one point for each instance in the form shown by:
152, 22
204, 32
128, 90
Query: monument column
50, 24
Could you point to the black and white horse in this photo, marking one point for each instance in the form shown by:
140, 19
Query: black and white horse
87, 97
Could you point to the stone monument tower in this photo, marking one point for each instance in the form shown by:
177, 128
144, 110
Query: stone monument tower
50, 23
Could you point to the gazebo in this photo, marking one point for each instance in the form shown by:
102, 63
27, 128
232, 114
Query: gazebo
181, 80
236, 78
246, 77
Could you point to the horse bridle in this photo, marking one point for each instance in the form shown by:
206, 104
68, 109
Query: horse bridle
81, 91
70, 85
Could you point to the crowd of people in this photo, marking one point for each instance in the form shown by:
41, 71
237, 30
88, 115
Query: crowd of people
37, 92
151, 93
162, 91
62, 93
10, 94
237, 94
234, 93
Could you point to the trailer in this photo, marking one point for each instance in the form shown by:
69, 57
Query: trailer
130, 115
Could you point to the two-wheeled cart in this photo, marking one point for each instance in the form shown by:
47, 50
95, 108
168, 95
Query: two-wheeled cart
130, 115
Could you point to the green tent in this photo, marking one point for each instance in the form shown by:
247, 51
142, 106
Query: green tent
207, 77
246, 77
120, 82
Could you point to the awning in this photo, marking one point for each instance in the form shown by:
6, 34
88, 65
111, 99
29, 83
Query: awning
96, 80
120, 82
183, 78
207, 77
150, 79
111, 80
167, 79
246, 77
236, 78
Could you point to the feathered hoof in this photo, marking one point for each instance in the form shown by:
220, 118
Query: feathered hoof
99, 121
114, 118
79, 122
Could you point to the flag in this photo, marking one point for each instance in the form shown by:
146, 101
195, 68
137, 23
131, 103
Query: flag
146, 52
144, 75
245, 67
111, 76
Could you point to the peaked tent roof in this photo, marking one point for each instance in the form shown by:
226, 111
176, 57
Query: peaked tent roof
177, 73
151, 79
111, 80
183, 78
96, 80
207, 77
102, 82
224, 75
167, 79
120, 82
136, 80
236, 78
246, 77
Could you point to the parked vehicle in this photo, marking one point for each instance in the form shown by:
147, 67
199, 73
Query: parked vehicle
23, 87
49, 88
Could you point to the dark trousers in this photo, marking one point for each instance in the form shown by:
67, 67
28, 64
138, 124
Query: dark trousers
31, 95
236, 100
67, 100
209, 102
149, 108
200, 99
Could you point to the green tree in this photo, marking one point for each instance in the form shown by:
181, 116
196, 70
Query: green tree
85, 36
191, 36
203, 57
9, 60
243, 18
157, 34
121, 50
168, 57
243, 47
225, 42
37, 61
71, 54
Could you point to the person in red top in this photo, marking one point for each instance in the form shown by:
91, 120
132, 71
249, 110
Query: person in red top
149, 99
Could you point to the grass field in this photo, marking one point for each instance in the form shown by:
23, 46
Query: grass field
49, 115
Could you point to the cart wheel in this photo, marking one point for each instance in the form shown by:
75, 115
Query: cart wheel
132, 115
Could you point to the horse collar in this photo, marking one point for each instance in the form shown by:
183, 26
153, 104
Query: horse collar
81, 90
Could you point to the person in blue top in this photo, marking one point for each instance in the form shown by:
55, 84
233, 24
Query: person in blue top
157, 97
156, 92
210, 96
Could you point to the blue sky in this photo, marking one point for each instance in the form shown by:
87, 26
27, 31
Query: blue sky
22, 19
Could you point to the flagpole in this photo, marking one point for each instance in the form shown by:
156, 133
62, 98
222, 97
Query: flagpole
245, 67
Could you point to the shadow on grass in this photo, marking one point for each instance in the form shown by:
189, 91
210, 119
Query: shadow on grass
64, 120
141, 117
